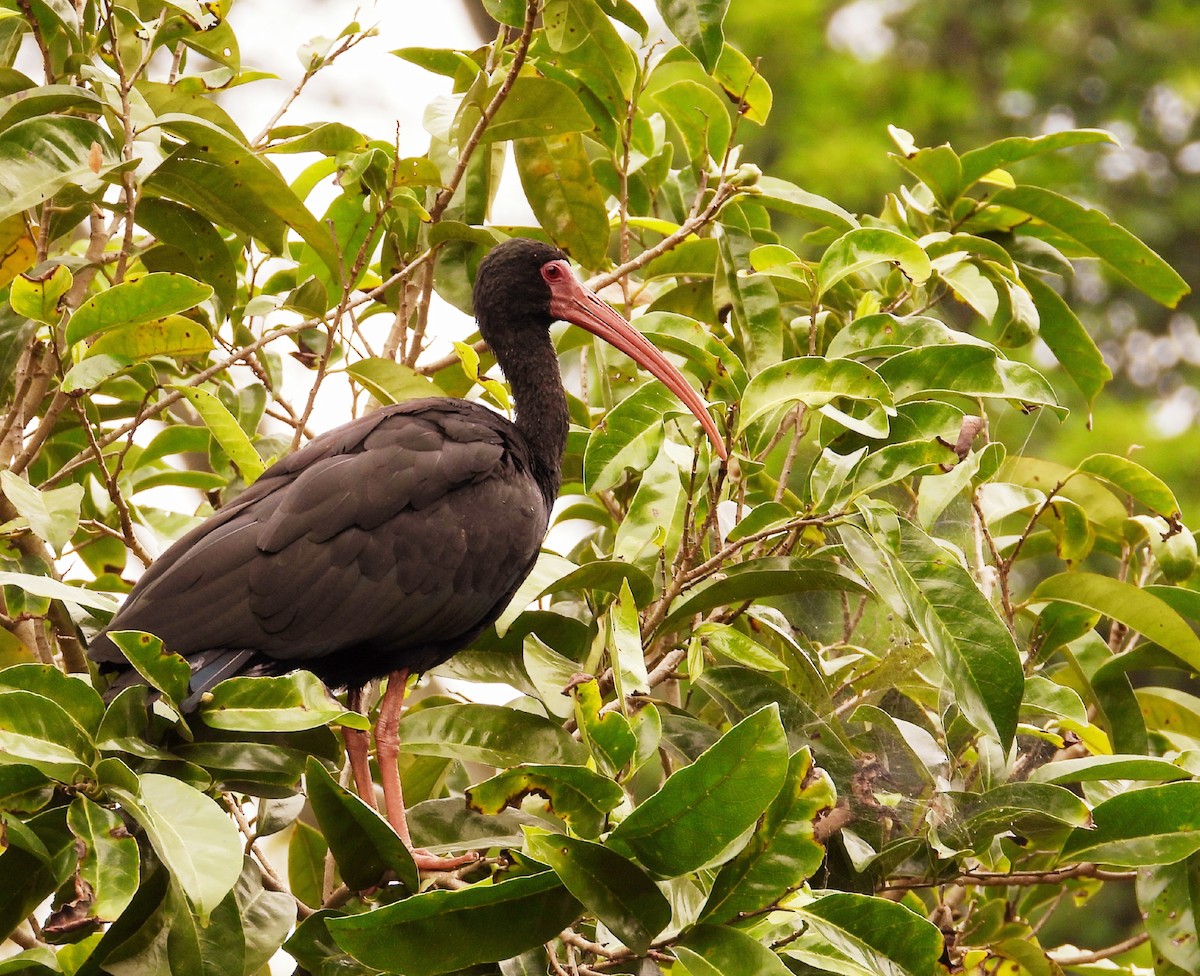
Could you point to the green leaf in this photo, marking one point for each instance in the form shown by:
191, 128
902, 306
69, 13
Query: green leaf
974, 371
108, 857
575, 794
329, 139
977, 163
306, 863
879, 935
702, 809
818, 382
162, 668
39, 732
1131, 478
1133, 606
143, 299
1100, 768
46, 100
549, 568
264, 769
715, 950
288, 703
759, 519
757, 579
1099, 237
782, 853
24, 789
568, 203
601, 59
629, 436
700, 118
220, 177
620, 894
1061, 330
757, 317
882, 333
624, 642
172, 335
781, 195
896, 462
653, 523
449, 824
743, 84
1169, 897
703, 355
93, 371
1030, 810
1155, 825
39, 857
973, 287
509, 12
363, 844
40, 156
443, 931
1103, 507
265, 917
939, 168
737, 647
37, 296
391, 382
537, 108
604, 576
18, 253
864, 247
697, 26
69, 691
487, 734
608, 736
970, 642
226, 431
192, 836
203, 250
313, 948
52, 513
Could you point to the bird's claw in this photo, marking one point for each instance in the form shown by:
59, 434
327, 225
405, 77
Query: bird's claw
426, 861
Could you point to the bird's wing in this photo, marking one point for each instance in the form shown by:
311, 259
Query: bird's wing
403, 530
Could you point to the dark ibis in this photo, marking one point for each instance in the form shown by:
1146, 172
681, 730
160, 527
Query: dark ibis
384, 546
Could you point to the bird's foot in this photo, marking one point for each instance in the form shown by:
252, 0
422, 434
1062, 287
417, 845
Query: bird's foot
426, 861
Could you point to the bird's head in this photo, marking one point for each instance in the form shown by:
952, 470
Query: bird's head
513, 287
523, 284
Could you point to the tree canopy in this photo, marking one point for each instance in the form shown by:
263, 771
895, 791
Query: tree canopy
891, 691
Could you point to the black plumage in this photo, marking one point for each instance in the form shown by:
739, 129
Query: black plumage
314, 565
389, 543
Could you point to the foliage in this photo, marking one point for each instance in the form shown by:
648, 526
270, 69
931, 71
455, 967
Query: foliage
973, 73
878, 695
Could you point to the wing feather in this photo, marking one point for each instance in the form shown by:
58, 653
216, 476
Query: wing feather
398, 534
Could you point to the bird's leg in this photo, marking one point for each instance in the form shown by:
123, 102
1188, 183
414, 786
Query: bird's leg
387, 751
358, 745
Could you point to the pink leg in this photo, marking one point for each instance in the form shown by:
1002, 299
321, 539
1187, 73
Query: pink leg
387, 751
358, 745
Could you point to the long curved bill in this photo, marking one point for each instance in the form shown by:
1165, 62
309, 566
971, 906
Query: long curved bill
572, 301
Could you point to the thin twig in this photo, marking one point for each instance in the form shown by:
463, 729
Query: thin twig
442, 201
271, 879
318, 63
170, 399
1084, 957
1023, 879
113, 488
721, 196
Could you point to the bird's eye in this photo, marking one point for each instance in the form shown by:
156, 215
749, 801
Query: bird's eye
552, 271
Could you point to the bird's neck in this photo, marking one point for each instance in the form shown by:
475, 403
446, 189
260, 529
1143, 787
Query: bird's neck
541, 408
